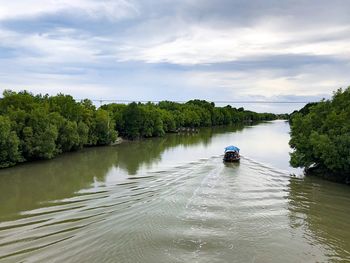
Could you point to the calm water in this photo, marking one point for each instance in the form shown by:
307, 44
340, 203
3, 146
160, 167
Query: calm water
173, 200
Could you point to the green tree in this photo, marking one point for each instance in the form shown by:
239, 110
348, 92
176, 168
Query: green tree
168, 119
68, 136
321, 137
83, 132
117, 112
104, 128
133, 120
39, 137
9, 144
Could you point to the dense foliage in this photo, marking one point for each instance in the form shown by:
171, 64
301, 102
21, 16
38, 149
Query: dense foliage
148, 120
320, 136
41, 127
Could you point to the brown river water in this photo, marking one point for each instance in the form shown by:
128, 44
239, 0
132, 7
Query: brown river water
172, 199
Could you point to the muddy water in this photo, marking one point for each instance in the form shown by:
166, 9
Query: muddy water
173, 200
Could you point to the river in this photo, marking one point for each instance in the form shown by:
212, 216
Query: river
172, 199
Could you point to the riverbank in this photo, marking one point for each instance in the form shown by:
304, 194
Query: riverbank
37, 127
325, 174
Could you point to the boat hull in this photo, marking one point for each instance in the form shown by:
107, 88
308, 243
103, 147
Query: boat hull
231, 160
231, 157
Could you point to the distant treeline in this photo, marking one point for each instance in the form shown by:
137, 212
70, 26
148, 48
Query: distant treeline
320, 137
137, 120
36, 127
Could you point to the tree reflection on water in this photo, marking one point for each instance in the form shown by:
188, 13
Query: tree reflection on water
28, 186
321, 209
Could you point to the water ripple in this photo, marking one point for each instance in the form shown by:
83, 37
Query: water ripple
179, 214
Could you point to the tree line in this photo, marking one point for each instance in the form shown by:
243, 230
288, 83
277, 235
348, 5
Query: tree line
36, 127
137, 120
320, 137
41, 127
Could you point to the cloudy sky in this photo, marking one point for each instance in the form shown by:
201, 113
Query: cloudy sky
223, 50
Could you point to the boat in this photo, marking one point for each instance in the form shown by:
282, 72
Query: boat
231, 154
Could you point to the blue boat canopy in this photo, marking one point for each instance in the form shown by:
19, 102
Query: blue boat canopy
231, 148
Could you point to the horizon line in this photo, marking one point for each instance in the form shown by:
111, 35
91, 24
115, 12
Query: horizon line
218, 101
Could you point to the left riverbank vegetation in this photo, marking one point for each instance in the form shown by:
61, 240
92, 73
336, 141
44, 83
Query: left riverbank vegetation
34, 127
41, 127
320, 137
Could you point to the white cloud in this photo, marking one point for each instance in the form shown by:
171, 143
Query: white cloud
112, 10
85, 49
201, 44
267, 83
58, 46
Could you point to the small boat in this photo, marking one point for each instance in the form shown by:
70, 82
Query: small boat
231, 154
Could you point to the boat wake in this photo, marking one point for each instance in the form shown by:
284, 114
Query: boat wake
187, 208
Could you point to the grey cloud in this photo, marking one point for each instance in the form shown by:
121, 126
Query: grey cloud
301, 22
286, 62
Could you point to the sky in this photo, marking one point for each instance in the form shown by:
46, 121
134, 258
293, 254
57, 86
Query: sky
222, 50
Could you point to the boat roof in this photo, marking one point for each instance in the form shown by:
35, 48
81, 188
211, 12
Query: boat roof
231, 148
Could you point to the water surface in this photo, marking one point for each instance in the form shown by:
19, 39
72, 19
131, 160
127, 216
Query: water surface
173, 200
